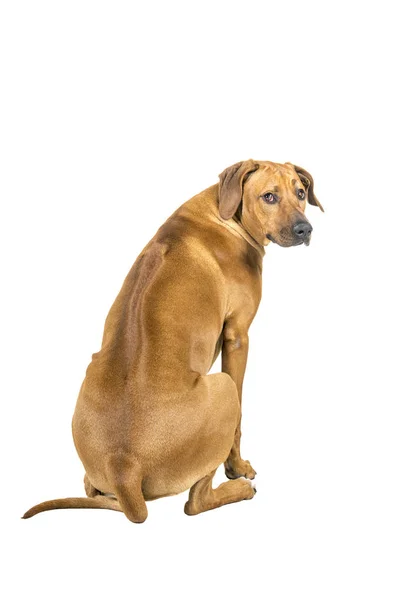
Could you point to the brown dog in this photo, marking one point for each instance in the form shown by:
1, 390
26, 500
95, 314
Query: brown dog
149, 421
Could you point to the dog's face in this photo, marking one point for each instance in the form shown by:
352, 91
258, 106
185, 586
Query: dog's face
269, 199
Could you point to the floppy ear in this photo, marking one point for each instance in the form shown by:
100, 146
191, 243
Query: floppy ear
231, 183
309, 183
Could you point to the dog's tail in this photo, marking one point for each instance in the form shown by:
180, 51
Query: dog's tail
96, 502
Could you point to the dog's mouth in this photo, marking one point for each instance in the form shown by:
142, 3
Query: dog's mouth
288, 242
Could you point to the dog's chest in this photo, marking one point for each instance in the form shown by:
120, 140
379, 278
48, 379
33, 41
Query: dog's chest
244, 282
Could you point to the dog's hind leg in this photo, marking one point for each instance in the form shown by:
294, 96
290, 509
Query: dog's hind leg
90, 490
221, 410
203, 497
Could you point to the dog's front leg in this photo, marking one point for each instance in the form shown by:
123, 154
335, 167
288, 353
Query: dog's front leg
234, 358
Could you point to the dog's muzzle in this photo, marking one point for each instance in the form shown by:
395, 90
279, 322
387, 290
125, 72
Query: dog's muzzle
302, 231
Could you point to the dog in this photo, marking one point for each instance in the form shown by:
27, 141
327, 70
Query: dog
149, 420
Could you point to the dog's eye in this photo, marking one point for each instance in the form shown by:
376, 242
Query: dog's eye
301, 194
270, 198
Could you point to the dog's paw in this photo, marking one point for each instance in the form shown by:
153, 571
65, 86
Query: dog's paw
250, 487
240, 468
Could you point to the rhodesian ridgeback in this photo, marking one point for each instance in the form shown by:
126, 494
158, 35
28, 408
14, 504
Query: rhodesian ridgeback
150, 421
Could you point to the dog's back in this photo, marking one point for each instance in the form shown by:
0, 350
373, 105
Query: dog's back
162, 331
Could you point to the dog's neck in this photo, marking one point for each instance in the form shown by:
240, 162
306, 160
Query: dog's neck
208, 201
235, 224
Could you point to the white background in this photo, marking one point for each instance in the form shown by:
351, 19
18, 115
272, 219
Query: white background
115, 113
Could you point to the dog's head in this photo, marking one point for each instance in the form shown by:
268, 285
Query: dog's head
269, 200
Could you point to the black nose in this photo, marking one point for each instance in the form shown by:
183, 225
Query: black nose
302, 229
